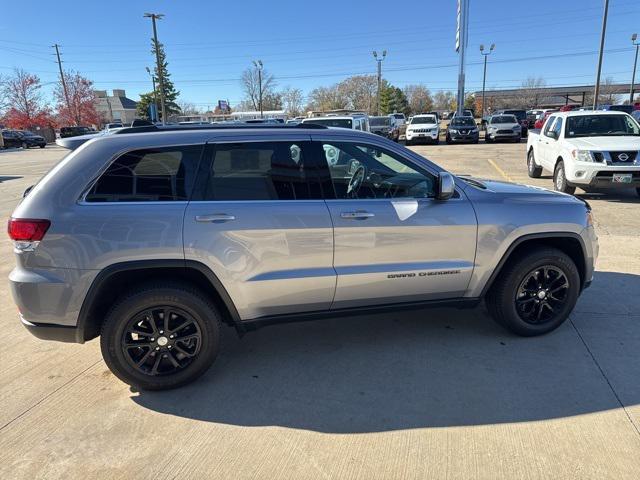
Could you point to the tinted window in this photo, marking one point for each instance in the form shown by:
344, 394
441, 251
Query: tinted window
332, 122
380, 121
425, 119
260, 171
366, 171
149, 175
463, 121
504, 119
601, 125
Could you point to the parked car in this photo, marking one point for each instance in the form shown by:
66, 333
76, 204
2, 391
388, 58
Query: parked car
353, 122
30, 139
462, 129
521, 115
75, 131
503, 127
617, 108
400, 119
385, 126
587, 149
11, 139
540, 122
532, 116
465, 113
424, 128
254, 226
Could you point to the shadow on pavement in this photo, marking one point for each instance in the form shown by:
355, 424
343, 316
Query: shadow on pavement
627, 195
4, 178
433, 368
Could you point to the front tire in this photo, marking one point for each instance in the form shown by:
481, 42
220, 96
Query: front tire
160, 336
534, 170
560, 183
535, 293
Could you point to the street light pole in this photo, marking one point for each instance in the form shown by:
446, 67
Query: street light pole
258, 65
596, 94
154, 17
484, 74
635, 64
379, 60
155, 95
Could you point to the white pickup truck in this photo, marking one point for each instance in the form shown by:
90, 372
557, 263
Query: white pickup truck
587, 149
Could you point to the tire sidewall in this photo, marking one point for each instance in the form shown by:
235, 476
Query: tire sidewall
559, 174
119, 316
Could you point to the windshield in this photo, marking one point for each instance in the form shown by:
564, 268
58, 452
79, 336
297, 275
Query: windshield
398, 115
519, 114
333, 122
600, 126
463, 122
425, 119
504, 119
380, 121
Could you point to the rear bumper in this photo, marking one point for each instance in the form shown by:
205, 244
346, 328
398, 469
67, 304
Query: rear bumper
57, 333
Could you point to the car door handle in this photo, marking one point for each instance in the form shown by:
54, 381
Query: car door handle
358, 215
215, 218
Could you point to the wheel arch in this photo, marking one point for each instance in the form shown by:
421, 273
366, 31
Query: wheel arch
569, 243
114, 280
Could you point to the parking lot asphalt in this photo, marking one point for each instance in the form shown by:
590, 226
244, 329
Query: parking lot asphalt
429, 394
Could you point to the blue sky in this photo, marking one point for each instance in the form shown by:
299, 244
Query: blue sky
308, 44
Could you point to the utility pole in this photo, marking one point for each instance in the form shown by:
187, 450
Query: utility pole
258, 65
379, 60
154, 17
596, 94
461, 45
634, 37
484, 74
64, 83
155, 95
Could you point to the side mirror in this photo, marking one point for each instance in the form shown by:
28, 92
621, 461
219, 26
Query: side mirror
446, 186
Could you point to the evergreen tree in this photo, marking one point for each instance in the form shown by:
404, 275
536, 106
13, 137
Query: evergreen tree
170, 92
392, 100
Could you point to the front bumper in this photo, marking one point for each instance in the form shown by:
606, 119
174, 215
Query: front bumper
459, 137
600, 175
504, 136
426, 136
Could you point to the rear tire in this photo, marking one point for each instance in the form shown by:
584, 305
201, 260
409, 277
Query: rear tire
560, 183
515, 298
487, 139
534, 170
172, 352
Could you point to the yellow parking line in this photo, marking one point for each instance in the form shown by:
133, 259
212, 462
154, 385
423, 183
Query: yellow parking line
500, 171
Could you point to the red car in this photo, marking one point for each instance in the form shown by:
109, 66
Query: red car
540, 122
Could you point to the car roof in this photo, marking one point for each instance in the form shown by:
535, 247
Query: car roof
336, 117
580, 113
145, 137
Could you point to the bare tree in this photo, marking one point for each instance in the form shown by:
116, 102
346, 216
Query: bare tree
187, 108
359, 92
326, 98
419, 98
251, 87
292, 101
532, 94
444, 100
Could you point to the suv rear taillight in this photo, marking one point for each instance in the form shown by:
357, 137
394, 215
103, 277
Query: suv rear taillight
27, 229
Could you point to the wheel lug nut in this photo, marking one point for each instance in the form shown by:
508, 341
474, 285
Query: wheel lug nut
152, 339
161, 331
169, 347
157, 348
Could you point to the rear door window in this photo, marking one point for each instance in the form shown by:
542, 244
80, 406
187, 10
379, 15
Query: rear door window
254, 171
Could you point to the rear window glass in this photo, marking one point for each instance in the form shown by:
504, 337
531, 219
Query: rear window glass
149, 175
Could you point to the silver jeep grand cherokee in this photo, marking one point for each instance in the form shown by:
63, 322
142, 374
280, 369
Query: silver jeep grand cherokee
152, 237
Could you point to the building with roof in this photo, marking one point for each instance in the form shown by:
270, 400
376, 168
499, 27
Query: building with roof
116, 107
550, 97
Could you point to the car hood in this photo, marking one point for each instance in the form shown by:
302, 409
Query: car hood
520, 191
422, 125
606, 143
503, 125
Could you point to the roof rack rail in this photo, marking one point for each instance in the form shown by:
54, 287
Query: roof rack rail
213, 126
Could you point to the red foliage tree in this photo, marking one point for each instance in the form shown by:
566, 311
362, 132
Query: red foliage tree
26, 108
81, 106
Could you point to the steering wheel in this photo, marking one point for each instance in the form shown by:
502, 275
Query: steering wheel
356, 180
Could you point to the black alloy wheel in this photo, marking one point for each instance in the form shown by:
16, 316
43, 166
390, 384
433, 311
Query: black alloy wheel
541, 294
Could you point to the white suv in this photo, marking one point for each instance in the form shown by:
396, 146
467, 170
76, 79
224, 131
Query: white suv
423, 127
